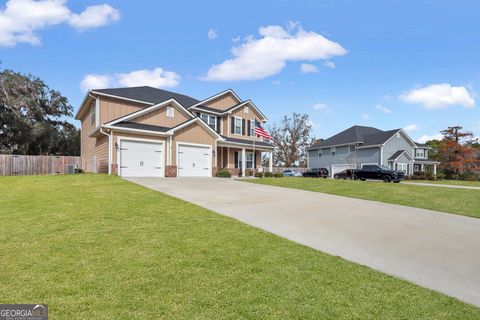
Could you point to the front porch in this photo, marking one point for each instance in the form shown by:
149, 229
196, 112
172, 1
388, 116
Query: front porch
425, 166
243, 160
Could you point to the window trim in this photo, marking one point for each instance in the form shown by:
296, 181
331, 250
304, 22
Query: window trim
423, 155
350, 148
208, 117
252, 127
239, 161
320, 152
170, 112
333, 151
239, 126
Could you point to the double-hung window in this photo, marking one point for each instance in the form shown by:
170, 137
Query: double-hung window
319, 152
352, 148
238, 126
333, 151
419, 153
248, 160
252, 128
210, 120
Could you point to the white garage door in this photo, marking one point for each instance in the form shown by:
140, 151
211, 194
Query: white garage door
141, 159
194, 161
337, 168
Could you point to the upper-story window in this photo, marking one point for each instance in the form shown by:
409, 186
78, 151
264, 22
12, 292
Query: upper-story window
93, 114
334, 150
353, 148
170, 112
419, 153
210, 120
319, 152
238, 126
245, 110
252, 128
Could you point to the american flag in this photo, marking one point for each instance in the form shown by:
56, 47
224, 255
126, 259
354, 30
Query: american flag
260, 131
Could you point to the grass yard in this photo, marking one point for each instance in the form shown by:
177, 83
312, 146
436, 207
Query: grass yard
458, 201
450, 182
98, 247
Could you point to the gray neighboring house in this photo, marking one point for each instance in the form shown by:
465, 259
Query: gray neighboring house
359, 145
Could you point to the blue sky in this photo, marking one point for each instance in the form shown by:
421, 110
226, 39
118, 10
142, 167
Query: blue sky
410, 64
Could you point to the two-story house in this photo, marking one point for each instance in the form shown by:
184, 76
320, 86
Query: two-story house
358, 145
149, 132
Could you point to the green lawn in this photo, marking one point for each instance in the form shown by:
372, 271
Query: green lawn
459, 201
98, 247
450, 182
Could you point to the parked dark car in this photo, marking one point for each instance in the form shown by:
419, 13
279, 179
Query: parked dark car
345, 174
377, 172
316, 173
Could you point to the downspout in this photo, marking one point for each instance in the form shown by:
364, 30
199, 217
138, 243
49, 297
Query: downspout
381, 155
109, 135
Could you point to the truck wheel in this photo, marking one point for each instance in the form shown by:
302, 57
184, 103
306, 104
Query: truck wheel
387, 179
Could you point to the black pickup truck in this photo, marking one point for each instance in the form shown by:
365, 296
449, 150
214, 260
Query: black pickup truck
376, 172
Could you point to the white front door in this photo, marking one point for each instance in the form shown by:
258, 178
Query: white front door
194, 161
141, 158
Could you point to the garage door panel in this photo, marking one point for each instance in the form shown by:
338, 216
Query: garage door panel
141, 159
194, 161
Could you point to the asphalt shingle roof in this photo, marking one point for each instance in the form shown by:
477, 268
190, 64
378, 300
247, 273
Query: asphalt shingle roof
141, 126
149, 94
396, 155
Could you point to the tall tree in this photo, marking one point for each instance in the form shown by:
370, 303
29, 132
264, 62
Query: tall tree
456, 134
291, 138
33, 118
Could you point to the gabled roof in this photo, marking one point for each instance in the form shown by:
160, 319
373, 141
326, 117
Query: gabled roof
141, 126
397, 155
228, 91
351, 135
363, 136
148, 94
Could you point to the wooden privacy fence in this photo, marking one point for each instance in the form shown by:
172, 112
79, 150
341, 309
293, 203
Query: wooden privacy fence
13, 165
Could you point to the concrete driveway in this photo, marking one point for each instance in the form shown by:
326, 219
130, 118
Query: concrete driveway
436, 250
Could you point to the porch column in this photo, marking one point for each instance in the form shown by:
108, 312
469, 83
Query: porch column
270, 162
243, 162
435, 170
228, 157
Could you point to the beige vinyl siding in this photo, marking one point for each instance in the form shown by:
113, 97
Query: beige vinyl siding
193, 133
117, 134
223, 102
111, 109
101, 152
252, 114
159, 118
87, 143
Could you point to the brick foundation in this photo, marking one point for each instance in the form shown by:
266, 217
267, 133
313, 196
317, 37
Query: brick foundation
171, 171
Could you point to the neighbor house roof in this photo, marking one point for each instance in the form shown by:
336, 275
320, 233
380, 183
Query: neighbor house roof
351, 135
361, 135
397, 155
149, 95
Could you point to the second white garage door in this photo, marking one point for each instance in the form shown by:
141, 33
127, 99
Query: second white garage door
194, 161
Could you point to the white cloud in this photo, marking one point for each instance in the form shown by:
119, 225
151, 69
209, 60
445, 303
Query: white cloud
21, 19
95, 81
426, 138
157, 78
321, 107
365, 116
258, 58
213, 34
308, 68
94, 17
383, 109
410, 128
236, 39
329, 64
314, 125
439, 96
